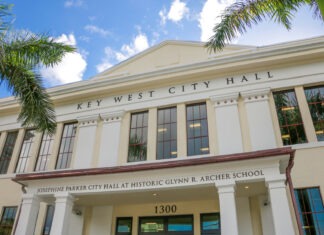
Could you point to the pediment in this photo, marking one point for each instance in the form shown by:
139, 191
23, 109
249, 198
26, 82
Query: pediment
168, 54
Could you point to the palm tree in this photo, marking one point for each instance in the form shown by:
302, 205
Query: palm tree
241, 15
21, 55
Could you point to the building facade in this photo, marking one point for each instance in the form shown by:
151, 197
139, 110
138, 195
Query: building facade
175, 141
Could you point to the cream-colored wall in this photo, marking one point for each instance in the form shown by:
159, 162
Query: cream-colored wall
308, 168
10, 192
194, 208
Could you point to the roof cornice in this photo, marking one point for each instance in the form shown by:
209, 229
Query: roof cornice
287, 51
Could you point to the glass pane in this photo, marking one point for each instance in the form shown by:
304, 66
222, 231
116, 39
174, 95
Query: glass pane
152, 225
66, 146
289, 118
124, 225
315, 100
180, 224
197, 130
48, 220
167, 131
138, 137
7, 220
311, 211
210, 222
7, 151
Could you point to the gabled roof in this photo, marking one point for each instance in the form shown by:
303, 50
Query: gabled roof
167, 54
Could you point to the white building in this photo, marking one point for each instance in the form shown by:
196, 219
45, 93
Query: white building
175, 141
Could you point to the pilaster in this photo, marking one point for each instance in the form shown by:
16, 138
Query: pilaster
85, 141
110, 138
228, 211
62, 214
228, 125
28, 215
261, 131
280, 206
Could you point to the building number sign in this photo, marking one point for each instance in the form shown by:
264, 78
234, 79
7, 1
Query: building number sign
165, 209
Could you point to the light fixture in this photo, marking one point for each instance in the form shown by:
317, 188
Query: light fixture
320, 132
194, 125
154, 194
285, 136
174, 153
246, 187
288, 108
162, 129
204, 149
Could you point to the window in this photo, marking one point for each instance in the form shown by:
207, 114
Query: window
197, 130
25, 151
7, 220
311, 210
290, 121
48, 220
167, 133
138, 137
175, 225
7, 151
124, 226
66, 146
44, 152
315, 100
210, 224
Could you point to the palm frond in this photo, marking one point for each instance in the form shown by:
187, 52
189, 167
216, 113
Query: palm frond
242, 15
34, 49
5, 17
36, 107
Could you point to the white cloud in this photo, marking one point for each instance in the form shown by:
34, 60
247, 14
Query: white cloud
138, 44
73, 3
95, 29
178, 10
70, 69
209, 16
163, 16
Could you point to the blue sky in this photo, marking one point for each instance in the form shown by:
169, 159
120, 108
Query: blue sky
108, 32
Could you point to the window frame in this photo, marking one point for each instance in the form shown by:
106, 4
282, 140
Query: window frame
201, 137
5, 160
142, 145
210, 232
311, 106
68, 153
49, 143
301, 213
166, 223
124, 233
11, 226
48, 210
25, 152
161, 125
288, 125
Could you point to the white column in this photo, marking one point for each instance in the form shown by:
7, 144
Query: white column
281, 214
62, 214
85, 141
28, 215
110, 138
228, 213
259, 119
228, 123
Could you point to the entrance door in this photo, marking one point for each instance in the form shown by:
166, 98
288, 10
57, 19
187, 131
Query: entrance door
166, 225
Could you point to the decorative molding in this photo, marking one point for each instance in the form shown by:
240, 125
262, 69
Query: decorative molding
261, 154
225, 99
112, 116
88, 120
255, 95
